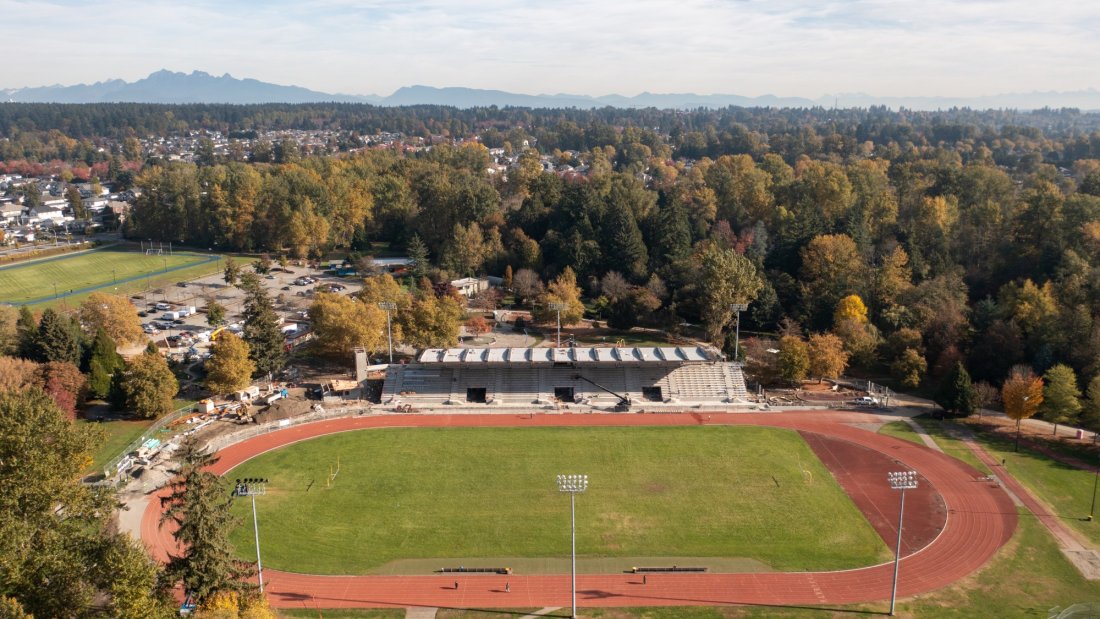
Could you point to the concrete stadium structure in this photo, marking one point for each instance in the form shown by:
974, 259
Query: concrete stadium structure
622, 379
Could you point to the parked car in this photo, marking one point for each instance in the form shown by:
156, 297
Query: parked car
143, 314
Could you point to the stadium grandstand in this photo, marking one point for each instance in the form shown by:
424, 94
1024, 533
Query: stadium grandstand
623, 379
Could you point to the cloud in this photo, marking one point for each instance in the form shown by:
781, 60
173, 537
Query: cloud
752, 47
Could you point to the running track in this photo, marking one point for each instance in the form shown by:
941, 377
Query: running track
981, 518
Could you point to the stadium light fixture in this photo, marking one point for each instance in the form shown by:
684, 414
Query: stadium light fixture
902, 481
389, 306
253, 487
573, 484
558, 307
737, 309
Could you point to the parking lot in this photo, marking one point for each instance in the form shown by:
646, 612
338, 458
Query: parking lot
289, 288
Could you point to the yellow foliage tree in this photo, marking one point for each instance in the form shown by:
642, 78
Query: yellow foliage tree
115, 314
850, 307
229, 369
563, 290
341, 323
827, 356
1022, 394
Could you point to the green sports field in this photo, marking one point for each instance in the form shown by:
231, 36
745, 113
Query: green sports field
79, 274
407, 499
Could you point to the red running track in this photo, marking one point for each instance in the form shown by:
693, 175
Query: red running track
981, 518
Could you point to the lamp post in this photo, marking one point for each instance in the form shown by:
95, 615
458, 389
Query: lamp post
558, 307
1095, 478
573, 484
389, 306
899, 480
250, 487
738, 308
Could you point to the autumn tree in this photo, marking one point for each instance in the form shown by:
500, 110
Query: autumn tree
477, 325
832, 268
65, 384
431, 321
148, 385
957, 394
1061, 397
828, 359
725, 278
794, 359
852, 308
1022, 395
909, 368
114, 314
18, 374
341, 323
229, 368
60, 556
562, 291
527, 285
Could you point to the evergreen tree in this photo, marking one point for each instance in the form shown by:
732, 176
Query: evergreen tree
671, 237
957, 394
418, 257
1061, 397
58, 339
215, 312
622, 242
1090, 408
199, 507
261, 328
104, 362
26, 329
232, 272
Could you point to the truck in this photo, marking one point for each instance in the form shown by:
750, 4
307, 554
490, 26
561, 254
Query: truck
170, 316
162, 307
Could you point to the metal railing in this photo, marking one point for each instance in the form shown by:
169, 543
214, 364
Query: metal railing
109, 469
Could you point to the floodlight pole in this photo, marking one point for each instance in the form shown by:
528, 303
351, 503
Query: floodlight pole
899, 480
738, 308
558, 307
251, 487
389, 306
573, 484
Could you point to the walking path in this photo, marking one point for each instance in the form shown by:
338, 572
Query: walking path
1079, 551
981, 518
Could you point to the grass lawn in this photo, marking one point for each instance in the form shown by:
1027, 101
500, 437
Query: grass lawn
119, 433
900, 429
1067, 490
83, 273
461, 494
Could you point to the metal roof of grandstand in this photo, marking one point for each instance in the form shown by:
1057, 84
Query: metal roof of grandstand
532, 356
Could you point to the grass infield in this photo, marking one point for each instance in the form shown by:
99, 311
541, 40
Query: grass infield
460, 494
78, 274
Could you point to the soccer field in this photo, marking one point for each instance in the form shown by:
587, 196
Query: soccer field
457, 495
78, 274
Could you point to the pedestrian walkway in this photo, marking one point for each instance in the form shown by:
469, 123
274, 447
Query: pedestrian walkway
922, 433
1079, 551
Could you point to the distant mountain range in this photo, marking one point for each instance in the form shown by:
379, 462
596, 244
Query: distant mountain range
199, 87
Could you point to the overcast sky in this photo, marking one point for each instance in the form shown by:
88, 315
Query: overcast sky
747, 47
